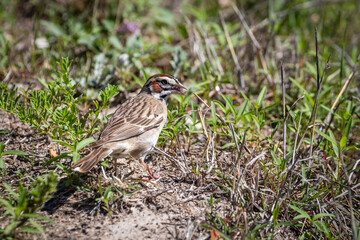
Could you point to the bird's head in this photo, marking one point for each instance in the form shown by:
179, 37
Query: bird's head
162, 85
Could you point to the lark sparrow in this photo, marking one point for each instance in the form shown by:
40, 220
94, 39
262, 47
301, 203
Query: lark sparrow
135, 127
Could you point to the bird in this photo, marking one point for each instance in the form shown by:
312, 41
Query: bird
134, 128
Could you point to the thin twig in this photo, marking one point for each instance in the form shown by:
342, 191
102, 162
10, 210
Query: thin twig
314, 111
183, 167
288, 170
344, 88
284, 111
354, 224
256, 44
238, 69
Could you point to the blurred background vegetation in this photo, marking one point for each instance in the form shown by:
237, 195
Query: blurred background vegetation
228, 52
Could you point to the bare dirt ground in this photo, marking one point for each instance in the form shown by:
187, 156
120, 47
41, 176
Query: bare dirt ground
173, 207
170, 208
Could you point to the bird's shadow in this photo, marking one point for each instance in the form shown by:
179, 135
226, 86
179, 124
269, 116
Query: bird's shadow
65, 189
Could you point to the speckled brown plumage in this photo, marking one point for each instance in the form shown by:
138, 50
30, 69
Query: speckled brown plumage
134, 128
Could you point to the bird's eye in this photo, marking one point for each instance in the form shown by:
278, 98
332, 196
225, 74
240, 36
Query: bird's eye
164, 82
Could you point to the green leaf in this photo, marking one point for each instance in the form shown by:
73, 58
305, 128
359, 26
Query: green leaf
22, 200
334, 143
8, 206
213, 113
12, 192
53, 28
222, 107
76, 157
64, 144
231, 144
320, 215
37, 227
247, 100
329, 138
137, 80
108, 192
114, 41
14, 152
30, 230
242, 109
3, 131
56, 158
346, 132
321, 226
84, 143
9, 228
2, 147
303, 214
276, 213
230, 104
2, 163
261, 98
37, 216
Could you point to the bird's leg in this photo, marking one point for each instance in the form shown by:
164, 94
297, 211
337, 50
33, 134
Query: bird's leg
149, 170
115, 165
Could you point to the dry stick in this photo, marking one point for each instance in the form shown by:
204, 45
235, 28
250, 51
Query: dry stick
344, 88
329, 118
238, 164
183, 167
284, 111
212, 55
8, 77
314, 110
246, 26
293, 163
318, 91
255, 42
232, 193
232, 51
202, 122
207, 147
354, 225
194, 38
180, 149
234, 136
221, 119
212, 153
237, 160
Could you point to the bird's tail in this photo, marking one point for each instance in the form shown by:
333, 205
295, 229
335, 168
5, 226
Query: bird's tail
87, 163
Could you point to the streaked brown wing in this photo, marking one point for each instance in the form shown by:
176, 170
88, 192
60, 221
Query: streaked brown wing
134, 117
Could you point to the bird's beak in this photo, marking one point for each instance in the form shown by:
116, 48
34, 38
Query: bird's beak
179, 89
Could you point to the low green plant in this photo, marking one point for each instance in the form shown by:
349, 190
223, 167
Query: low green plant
8, 152
8, 98
218, 225
55, 110
322, 226
106, 197
19, 210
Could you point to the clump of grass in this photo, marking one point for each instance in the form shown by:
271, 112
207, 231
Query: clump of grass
19, 209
